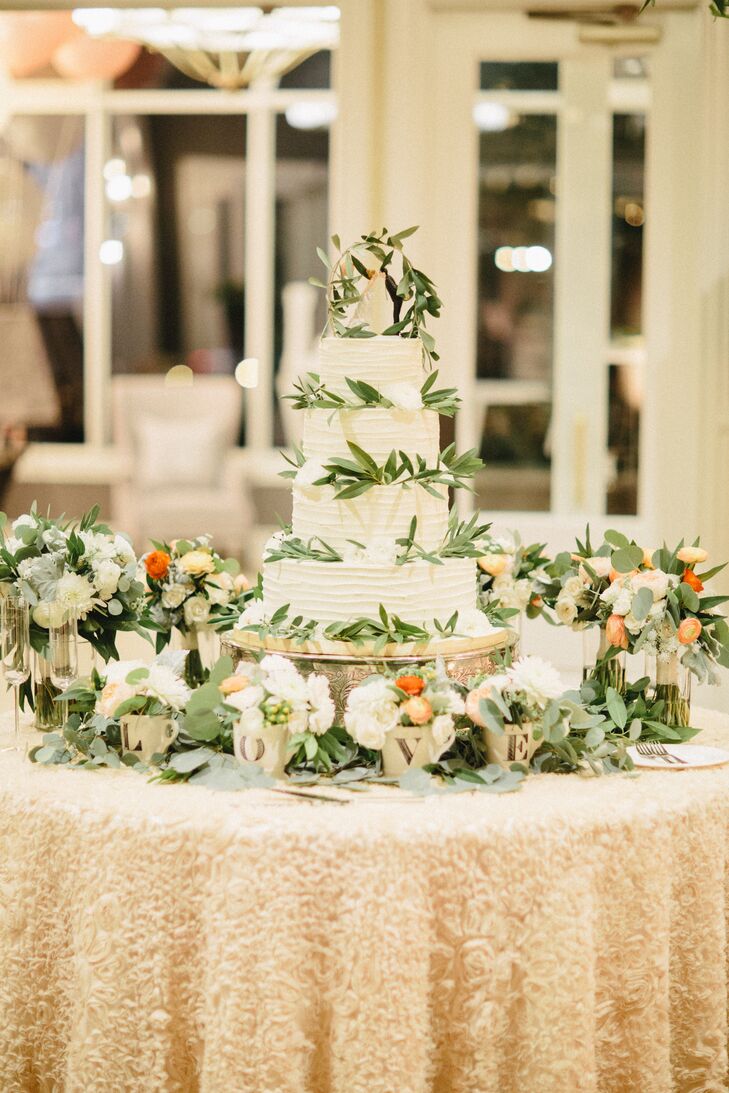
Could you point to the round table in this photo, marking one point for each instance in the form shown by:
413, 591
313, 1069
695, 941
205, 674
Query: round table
571, 936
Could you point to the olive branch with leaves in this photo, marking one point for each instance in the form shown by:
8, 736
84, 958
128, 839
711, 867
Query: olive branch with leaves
353, 266
312, 394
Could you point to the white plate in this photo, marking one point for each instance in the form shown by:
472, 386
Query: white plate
693, 756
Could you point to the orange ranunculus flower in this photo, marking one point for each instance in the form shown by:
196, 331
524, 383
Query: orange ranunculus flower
692, 555
157, 563
419, 710
689, 577
688, 631
411, 685
616, 633
536, 601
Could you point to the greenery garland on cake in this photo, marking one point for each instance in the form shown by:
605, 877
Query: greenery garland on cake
312, 394
353, 268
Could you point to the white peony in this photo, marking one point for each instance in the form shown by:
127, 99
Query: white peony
163, 683
403, 396
537, 678
24, 521
310, 472
372, 711
565, 610
443, 732
472, 623
196, 611
274, 662
77, 595
106, 578
321, 715
245, 699
253, 615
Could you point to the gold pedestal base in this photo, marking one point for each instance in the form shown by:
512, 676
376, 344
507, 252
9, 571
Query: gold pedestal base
346, 665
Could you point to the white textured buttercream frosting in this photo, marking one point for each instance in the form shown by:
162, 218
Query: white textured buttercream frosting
382, 513
376, 430
417, 592
379, 360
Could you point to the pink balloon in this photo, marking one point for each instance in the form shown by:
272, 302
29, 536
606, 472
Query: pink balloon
28, 39
84, 58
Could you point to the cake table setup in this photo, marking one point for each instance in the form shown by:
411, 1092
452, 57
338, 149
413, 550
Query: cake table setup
331, 831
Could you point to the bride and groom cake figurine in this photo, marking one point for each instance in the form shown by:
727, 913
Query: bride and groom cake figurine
374, 561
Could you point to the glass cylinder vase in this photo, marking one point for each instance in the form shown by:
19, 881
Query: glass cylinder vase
48, 712
195, 673
671, 683
595, 646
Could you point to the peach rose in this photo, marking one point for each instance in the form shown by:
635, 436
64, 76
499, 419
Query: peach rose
615, 632
689, 577
418, 710
233, 684
411, 685
241, 584
473, 700
615, 576
648, 558
688, 631
493, 564
654, 579
692, 555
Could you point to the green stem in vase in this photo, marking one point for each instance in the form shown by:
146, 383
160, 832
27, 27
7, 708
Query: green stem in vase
677, 709
609, 673
48, 712
195, 673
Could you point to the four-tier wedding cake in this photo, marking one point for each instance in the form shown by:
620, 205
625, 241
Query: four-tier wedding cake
373, 553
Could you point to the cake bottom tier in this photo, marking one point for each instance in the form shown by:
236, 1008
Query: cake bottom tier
417, 592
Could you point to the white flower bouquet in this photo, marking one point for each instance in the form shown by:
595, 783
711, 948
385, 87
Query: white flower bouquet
189, 586
661, 612
79, 570
278, 713
382, 709
131, 686
514, 706
509, 572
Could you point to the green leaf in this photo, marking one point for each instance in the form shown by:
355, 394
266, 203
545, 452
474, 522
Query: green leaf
627, 558
184, 762
642, 603
616, 707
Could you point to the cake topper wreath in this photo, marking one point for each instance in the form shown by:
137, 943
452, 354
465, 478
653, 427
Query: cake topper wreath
352, 271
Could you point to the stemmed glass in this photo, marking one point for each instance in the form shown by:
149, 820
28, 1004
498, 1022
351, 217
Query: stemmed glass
15, 649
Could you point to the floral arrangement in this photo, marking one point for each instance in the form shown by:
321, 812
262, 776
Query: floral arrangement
521, 694
189, 586
423, 697
275, 693
131, 686
508, 572
78, 570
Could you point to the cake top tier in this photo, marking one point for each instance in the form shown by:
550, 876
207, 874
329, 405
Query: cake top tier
380, 361
373, 288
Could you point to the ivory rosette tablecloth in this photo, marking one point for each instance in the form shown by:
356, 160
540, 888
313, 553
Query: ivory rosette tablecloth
568, 937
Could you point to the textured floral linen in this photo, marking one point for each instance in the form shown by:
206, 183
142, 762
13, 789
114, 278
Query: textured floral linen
569, 937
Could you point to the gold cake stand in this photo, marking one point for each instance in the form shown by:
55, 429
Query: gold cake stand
346, 665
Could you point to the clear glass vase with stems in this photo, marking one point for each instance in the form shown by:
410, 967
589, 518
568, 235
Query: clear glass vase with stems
48, 712
195, 673
671, 683
15, 648
608, 672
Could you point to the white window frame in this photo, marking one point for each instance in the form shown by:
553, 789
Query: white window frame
96, 461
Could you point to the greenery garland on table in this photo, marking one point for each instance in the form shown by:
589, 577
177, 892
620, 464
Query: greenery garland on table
350, 268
